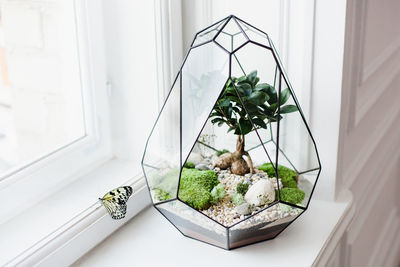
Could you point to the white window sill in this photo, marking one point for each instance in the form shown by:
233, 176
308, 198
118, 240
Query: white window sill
150, 240
51, 230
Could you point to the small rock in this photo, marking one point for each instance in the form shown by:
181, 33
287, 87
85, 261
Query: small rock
243, 209
260, 193
248, 181
202, 166
196, 158
274, 214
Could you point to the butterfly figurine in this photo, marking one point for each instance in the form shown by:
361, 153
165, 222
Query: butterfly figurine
115, 201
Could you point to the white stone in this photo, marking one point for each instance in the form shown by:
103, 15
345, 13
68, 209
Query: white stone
260, 193
196, 158
243, 209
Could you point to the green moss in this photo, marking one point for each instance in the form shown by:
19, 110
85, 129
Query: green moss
194, 177
237, 199
189, 165
292, 195
223, 151
161, 195
242, 188
288, 176
217, 193
195, 187
198, 198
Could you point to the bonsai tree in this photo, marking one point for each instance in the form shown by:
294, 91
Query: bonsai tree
258, 104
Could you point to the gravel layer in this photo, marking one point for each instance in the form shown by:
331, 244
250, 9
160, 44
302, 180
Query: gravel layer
224, 211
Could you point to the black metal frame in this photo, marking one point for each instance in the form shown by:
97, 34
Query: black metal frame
220, 25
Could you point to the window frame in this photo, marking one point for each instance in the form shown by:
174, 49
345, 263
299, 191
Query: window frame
100, 159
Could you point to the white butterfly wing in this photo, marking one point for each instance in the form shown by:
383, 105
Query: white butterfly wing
115, 201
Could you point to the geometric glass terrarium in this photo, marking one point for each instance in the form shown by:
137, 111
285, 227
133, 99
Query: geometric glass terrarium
230, 160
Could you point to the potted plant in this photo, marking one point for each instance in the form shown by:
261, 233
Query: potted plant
246, 102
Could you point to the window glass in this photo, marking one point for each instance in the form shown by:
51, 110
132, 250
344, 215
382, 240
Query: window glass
41, 102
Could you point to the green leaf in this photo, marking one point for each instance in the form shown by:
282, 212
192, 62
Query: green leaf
273, 96
259, 122
258, 98
247, 92
244, 128
288, 109
273, 107
244, 85
241, 79
229, 113
224, 103
230, 90
239, 91
252, 77
285, 94
213, 121
262, 86
251, 108
274, 119
236, 109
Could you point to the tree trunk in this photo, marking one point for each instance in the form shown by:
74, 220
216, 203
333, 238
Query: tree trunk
235, 160
239, 165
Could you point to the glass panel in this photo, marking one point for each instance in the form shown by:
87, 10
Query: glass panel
161, 161
306, 182
259, 64
297, 153
265, 225
204, 75
254, 34
40, 89
231, 36
219, 165
208, 33
294, 138
194, 224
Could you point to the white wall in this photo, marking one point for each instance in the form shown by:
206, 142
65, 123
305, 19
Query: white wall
369, 143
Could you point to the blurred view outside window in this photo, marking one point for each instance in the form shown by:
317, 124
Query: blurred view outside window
41, 103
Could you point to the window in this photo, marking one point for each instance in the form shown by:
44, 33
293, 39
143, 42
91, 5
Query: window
41, 100
54, 114
60, 187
